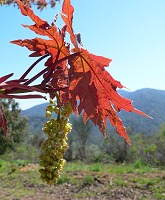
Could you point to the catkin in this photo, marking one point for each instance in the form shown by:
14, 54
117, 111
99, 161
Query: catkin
54, 147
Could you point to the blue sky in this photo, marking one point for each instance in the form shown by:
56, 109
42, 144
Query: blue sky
131, 33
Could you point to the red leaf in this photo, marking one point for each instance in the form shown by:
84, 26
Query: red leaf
3, 122
25, 10
91, 89
4, 78
8, 89
55, 46
67, 16
25, 96
96, 90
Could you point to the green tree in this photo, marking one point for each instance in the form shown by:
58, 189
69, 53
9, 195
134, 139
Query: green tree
41, 4
17, 125
81, 132
160, 141
115, 147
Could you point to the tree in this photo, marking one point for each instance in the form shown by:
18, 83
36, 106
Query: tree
41, 4
158, 146
81, 132
17, 125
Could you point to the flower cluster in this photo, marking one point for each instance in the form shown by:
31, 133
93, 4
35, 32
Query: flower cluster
54, 147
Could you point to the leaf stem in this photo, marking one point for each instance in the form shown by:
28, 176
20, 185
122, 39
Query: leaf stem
33, 65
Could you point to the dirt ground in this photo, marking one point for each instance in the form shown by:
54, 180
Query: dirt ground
102, 187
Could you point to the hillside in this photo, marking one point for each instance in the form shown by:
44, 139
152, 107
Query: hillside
150, 101
35, 111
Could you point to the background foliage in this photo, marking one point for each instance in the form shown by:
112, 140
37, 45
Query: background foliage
17, 125
85, 144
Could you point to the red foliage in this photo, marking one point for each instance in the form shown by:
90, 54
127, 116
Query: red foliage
3, 122
79, 76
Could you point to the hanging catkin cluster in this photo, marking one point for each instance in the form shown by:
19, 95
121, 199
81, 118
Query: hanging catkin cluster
54, 147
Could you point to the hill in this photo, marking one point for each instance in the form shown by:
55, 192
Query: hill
150, 101
35, 111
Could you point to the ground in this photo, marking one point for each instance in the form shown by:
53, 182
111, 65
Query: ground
112, 182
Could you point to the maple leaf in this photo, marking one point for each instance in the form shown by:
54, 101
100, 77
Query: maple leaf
67, 16
96, 90
3, 121
85, 83
55, 46
10, 88
93, 86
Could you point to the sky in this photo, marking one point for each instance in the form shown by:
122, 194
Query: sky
131, 33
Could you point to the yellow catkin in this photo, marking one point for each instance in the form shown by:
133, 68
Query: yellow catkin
54, 147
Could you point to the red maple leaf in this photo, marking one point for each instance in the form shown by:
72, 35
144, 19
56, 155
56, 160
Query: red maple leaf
55, 47
6, 91
94, 87
11, 88
96, 90
3, 121
67, 16
79, 75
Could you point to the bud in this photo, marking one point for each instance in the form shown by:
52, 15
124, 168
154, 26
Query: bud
62, 162
49, 175
48, 114
51, 101
50, 182
60, 167
56, 110
68, 128
50, 108
43, 163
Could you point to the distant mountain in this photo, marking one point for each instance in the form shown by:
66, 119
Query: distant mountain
35, 111
150, 101
36, 117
